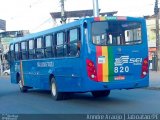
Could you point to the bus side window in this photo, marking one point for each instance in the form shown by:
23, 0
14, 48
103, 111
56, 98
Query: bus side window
54, 45
60, 44
24, 51
39, 48
74, 42
17, 52
66, 45
12, 52
48, 46
31, 49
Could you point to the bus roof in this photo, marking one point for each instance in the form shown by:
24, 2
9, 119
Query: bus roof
72, 24
48, 31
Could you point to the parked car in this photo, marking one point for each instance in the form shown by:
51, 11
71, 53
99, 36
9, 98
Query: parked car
6, 72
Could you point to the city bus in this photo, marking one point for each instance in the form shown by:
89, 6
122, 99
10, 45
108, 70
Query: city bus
96, 54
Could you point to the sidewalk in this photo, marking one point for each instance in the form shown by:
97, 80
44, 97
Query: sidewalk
154, 80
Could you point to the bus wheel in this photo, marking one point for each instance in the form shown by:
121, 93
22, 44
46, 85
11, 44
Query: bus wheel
21, 86
55, 94
101, 93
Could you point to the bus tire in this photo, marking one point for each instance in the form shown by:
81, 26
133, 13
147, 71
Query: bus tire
101, 93
21, 86
54, 91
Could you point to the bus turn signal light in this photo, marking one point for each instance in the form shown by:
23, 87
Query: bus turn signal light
144, 71
91, 70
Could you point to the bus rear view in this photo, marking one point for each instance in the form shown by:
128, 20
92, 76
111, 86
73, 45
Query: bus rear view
88, 55
119, 54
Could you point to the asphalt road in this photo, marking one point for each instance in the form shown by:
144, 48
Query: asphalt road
12, 101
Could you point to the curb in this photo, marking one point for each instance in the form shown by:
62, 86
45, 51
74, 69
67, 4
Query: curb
152, 88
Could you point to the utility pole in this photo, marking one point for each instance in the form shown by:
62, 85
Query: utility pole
63, 19
95, 8
156, 12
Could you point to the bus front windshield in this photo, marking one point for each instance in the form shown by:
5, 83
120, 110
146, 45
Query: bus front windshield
116, 33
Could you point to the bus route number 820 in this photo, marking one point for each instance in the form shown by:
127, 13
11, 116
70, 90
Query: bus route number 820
121, 69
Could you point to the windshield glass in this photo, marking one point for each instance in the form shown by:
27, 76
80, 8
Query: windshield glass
116, 33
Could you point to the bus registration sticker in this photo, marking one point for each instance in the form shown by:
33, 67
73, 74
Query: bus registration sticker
101, 60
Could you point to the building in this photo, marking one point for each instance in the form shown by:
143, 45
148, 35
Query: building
7, 36
2, 24
78, 14
151, 32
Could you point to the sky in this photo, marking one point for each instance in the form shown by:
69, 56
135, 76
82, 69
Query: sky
34, 15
